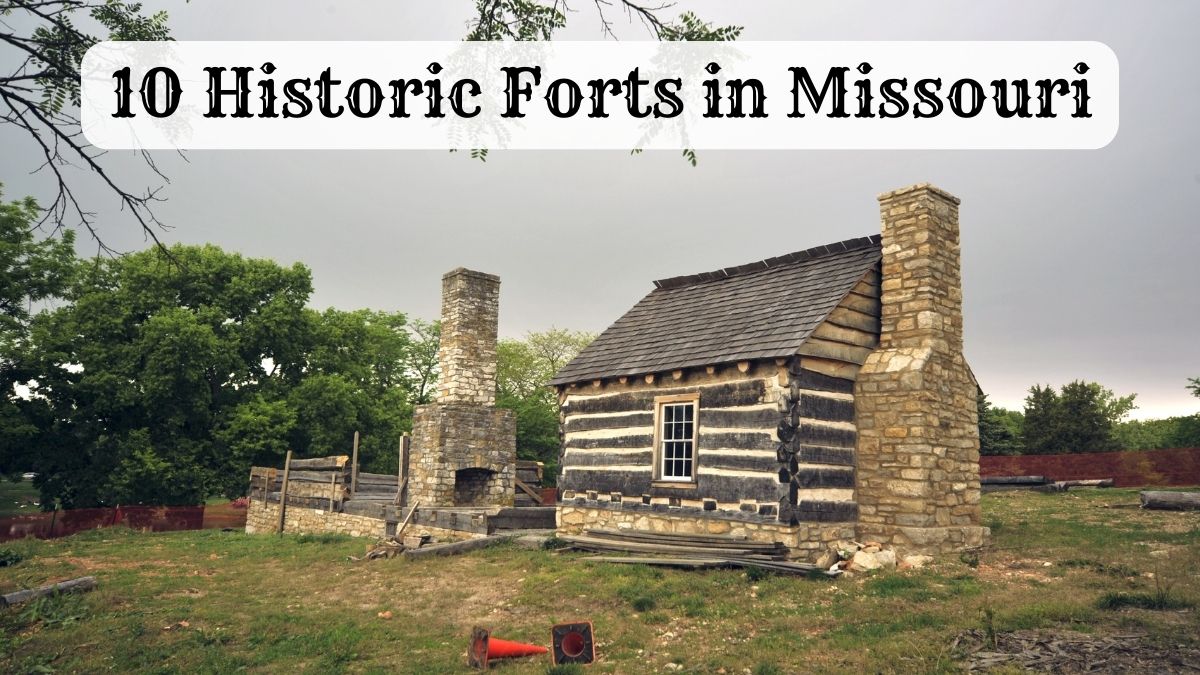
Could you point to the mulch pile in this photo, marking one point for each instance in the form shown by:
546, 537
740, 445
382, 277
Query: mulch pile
1070, 652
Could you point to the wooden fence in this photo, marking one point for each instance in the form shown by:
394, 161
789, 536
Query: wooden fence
1129, 468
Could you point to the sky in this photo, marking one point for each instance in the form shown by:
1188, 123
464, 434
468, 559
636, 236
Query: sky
1076, 264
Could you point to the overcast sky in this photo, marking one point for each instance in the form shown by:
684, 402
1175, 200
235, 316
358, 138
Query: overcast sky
1076, 264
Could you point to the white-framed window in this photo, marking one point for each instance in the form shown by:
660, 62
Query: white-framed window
675, 437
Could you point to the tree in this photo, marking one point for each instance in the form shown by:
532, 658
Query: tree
1080, 417
1194, 386
156, 359
40, 95
523, 375
999, 429
32, 271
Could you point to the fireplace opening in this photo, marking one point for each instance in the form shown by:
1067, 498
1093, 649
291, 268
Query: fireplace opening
471, 486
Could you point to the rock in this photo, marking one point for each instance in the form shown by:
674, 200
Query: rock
673, 666
827, 559
864, 562
916, 562
886, 559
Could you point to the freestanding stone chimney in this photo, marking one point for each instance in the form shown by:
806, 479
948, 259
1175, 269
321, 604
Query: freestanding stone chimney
464, 449
915, 400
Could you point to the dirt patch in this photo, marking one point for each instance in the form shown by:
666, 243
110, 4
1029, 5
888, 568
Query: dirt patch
1071, 652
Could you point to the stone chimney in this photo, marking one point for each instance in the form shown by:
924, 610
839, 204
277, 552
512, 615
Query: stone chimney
467, 353
915, 399
464, 448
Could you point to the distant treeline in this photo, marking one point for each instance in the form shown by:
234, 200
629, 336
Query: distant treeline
1080, 417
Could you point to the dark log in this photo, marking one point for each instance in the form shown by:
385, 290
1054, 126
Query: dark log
631, 441
1170, 501
455, 548
724, 395
811, 379
70, 586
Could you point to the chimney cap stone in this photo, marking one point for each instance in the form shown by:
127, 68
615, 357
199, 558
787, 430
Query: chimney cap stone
462, 271
919, 187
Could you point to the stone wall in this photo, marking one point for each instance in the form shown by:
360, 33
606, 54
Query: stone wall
807, 541
467, 351
263, 518
918, 442
452, 438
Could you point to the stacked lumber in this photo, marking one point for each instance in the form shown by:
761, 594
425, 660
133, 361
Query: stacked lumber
319, 482
377, 486
691, 551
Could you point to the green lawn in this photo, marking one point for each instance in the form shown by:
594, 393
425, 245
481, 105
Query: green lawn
214, 602
17, 499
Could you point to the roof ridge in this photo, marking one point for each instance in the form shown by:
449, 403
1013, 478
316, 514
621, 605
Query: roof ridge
797, 256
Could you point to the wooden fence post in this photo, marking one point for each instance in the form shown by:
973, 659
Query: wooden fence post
354, 468
287, 466
402, 473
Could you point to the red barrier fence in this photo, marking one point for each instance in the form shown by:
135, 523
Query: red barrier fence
1128, 468
146, 518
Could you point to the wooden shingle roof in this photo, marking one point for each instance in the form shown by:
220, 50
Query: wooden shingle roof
762, 310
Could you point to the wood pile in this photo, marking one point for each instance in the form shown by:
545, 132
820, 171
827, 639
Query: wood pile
691, 551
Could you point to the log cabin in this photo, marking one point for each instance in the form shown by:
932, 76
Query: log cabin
809, 398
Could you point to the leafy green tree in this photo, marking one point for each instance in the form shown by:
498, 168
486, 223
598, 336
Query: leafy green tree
33, 270
154, 352
523, 374
999, 429
1080, 417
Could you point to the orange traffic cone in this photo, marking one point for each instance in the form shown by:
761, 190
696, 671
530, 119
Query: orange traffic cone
484, 647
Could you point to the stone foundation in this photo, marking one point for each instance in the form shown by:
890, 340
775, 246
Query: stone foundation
807, 541
263, 518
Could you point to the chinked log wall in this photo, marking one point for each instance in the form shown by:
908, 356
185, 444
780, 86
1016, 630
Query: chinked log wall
742, 466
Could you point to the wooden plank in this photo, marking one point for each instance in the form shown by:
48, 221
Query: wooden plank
851, 336
334, 463
850, 318
407, 519
528, 490
834, 350
598, 544
683, 563
287, 467
69, 586
867, 304
354, 466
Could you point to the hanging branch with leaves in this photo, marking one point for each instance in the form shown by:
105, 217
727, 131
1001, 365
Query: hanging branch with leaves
40, 97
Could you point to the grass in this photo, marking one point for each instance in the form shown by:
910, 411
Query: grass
217, 602
18, 499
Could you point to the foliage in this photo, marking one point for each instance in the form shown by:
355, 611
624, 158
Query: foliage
167, 374
9, 557
40, 94
1172, 432
999, 429
1194, 386
523, 374
524, 20
1080, 417
32, 270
